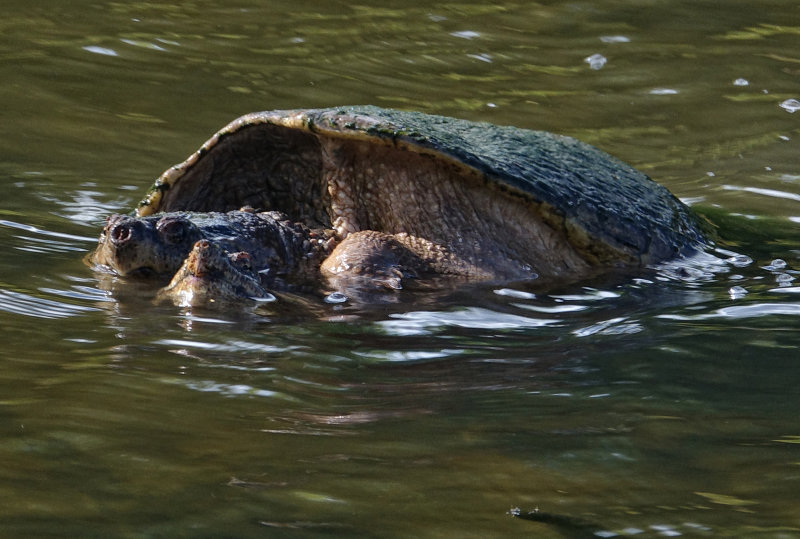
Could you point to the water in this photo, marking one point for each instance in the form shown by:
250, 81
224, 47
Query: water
656, 407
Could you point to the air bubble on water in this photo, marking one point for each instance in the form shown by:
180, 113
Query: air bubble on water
466, 34
482, 57
665, 530
615, 39
510, 292
777, 264
106, 51
740, 261
737, 292
784, 279
710, 174
335, 298
697, 526
741, 82
790, 105
596, 61
690, 201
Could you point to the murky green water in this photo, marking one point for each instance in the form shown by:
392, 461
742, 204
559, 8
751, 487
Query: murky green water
658, 407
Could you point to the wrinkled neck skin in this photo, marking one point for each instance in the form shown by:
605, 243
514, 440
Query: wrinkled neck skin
288, 253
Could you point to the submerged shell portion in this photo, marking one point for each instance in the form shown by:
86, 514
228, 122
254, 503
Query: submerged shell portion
538, 203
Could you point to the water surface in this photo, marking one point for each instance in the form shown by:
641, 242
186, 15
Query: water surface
661, 406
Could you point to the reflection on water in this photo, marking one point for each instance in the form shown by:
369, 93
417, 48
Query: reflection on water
608, 408
658, 406
75, 299
420, 323
27, 305
744, 311
45, 236
642, 407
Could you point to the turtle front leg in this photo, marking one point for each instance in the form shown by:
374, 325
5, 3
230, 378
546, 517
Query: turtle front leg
371, 261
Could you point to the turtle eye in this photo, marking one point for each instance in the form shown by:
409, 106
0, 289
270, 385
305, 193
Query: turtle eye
173, 230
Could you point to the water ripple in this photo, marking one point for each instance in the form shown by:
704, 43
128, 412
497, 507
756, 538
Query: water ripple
27, 305
591, 294
43, 232
786, 290
85, 293
46, 245
231, 390
614, 326
233, 345
423, 322
87, 205
765, 192
406, 356
105, 51
755, 310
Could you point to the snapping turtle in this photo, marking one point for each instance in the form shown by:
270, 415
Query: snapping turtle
419, 194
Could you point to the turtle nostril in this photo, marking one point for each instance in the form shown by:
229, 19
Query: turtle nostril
120, 234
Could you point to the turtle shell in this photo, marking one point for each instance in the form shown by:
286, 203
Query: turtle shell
490, 191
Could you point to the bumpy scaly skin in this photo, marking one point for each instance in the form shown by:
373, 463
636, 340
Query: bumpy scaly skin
376, 260
210, 276
279, 249
365, 264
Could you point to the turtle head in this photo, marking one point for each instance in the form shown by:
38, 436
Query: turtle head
142, 245
210, 276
